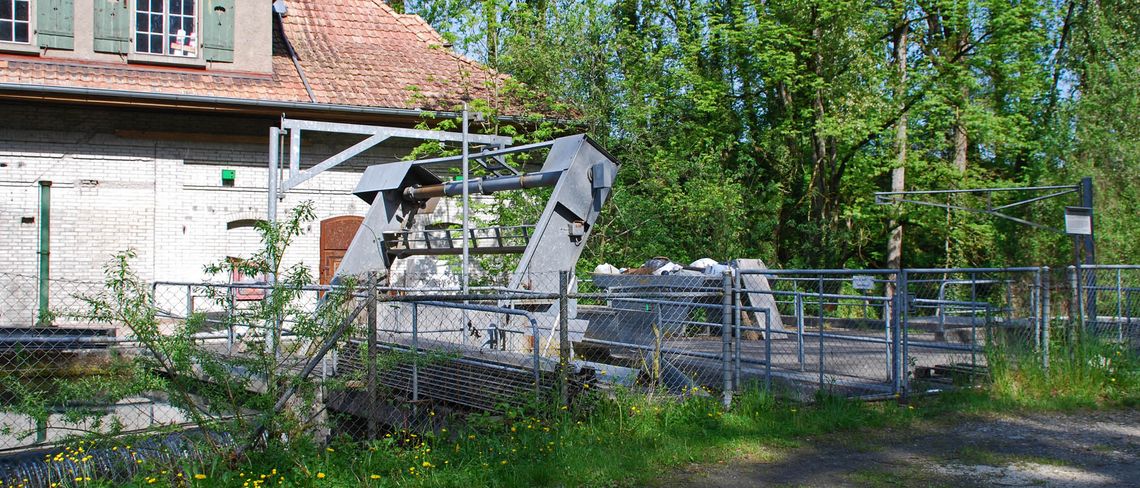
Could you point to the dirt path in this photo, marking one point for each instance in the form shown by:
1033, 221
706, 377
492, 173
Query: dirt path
1062, 450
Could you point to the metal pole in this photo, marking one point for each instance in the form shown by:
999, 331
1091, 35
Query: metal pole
1089, 245
415, 353
821, 332
564, 336
768, 350
466, 202
736, 331
465, 262
42, 314
1047, 320
189, 301
1036, 307
373, 427
887, 311
973, 322
725, 334
1119, 310
800, 328
271, 217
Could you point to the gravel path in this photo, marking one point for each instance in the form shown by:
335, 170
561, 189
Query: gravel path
1087, 449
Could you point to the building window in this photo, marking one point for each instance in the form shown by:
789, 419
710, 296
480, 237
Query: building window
15, 21
166, 27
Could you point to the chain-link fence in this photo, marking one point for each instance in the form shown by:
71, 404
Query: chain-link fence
368, 360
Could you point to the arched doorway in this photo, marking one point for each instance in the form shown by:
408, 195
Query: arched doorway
336, 235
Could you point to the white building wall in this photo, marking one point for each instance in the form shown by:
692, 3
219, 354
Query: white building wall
114, 189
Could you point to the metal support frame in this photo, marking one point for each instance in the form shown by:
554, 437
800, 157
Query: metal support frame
892, 197
376, 135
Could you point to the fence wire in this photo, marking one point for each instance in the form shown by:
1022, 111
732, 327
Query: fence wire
379, 360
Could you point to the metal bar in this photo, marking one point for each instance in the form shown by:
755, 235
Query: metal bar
415, 353
976, 190
1119, 309
726, 340
821, 334
1034, 199
887, 311
1036, 306
736, 325
485, 186
373, 399
800, 329
973, 320
271, 207
1047, 318
294, 154
767, 351
982, 212
485, 154
564, 336
429, 135
331, 162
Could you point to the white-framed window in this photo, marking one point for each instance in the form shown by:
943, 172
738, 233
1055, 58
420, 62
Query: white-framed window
166, 28
16, 21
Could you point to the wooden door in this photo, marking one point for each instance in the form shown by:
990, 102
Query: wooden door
336, 235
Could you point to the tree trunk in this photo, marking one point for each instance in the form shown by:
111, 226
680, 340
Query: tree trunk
961, 139
898, 173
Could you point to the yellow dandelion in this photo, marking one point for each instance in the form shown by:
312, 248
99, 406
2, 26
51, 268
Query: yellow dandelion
199, 476
427, 465
320, 475
375, 476
329, 449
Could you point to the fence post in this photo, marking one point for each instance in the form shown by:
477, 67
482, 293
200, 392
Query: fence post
767, 350
725, 334
800, 329
189, 301
736, 287
1035, 306
563, 336
904, 308
1119, 309
821, 332
1048, 319
898, 304
415, 352
373, 428
888, 310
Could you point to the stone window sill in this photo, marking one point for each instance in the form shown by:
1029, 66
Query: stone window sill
19, 48
137, 58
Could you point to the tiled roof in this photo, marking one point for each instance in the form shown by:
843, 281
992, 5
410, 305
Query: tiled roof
353, 52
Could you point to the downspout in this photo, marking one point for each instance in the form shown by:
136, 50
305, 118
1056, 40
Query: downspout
43, 318
277, 14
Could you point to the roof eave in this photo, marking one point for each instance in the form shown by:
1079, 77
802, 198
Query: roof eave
103, 96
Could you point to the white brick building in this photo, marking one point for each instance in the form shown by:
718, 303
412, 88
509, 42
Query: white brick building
134, 143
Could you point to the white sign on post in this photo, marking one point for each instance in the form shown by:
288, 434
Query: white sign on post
1078, 221
862, 282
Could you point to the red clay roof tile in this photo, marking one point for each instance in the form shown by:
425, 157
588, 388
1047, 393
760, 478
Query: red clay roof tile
353, 52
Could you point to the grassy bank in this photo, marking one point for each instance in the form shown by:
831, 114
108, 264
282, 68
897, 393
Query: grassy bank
630, 439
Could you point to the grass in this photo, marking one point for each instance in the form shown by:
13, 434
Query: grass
630, 439
1087, 372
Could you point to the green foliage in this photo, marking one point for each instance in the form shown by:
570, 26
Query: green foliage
763, 128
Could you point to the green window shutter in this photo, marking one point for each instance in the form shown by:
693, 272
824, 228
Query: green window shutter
54, 23
218, 30
112, 26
